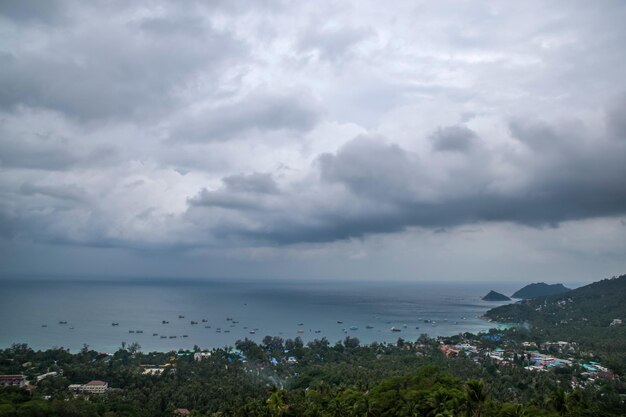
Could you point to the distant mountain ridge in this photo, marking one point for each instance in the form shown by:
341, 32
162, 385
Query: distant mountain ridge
539, 289
495, 296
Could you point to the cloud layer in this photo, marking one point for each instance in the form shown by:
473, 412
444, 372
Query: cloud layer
249, 131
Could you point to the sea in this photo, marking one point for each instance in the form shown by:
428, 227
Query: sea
160, 314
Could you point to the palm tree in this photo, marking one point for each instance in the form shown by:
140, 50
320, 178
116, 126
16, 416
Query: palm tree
476, 396
276, 404
559, 401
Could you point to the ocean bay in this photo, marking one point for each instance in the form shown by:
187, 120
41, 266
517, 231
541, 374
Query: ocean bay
225, 311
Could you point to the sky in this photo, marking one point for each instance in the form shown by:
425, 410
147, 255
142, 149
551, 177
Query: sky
356, 140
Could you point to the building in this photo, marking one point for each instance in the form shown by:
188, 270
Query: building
182, 412
46, 375
153, 371
12, 381
91, 387
616, 322
198, 356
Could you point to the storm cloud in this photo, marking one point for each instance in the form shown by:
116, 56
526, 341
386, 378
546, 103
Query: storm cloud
330, 138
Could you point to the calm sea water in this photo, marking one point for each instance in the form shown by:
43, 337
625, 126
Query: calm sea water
308, 310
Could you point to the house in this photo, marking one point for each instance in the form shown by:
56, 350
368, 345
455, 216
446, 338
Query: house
198, 356
616, 322
12, 381
182, 412
292, 360
153, 371
91, 387
46, 375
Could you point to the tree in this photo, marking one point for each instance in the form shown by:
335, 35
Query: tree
476, 396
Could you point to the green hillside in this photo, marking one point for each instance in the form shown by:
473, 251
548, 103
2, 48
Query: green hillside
540, 289
585, 315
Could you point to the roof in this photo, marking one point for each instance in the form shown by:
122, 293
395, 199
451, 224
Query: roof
95, 382
11, 377
182, 411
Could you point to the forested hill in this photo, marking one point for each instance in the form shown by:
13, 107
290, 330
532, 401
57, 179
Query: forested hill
540, 289
586, 315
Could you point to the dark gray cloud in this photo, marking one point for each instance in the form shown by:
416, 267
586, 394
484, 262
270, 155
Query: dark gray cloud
64, 192
240, 192
113, 71
259, 111
271, 129
388, 192
33, 10
453, 138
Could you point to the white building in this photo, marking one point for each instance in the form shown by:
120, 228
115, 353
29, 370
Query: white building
91, 387
198, 356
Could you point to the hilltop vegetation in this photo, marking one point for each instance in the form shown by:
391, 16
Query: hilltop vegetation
584, 315
344, 379
540, 289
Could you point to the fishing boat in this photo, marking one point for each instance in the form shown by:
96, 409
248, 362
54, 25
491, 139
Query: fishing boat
252, 332
163, 337
62, 322
354, 328
155, 334
369, 327
44, 325
165, 322
339, 322
115, 324
139, 331
131, 331
395, 329
180, 316
194, 322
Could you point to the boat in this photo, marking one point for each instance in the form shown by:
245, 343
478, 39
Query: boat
194, 322
417, 327
44, 325
226, 331
180, 316
62, 322
300, 324
229, 318
369, 327
395, 329
318, 331
155, 334
339, 322
165, 322
354, 328
172, 337
163, 337
252, 332
404, 326
185, 335
207, 327
139, 331
300, 331
204, 320
218, 331
115, 324
131, 331
71, 328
